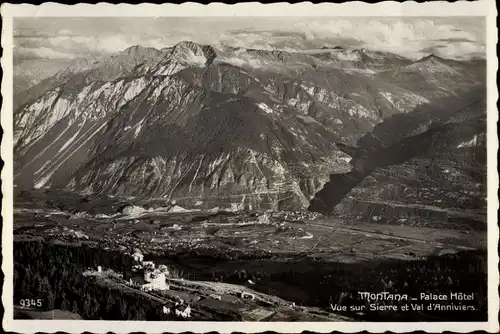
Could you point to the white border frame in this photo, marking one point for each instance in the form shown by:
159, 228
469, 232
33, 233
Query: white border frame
485, 8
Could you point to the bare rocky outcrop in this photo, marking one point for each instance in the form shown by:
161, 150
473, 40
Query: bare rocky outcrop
230, 127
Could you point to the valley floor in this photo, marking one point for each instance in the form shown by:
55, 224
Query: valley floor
285, 258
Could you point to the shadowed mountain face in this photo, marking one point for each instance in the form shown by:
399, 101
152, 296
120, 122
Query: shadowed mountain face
240, 128
433, 159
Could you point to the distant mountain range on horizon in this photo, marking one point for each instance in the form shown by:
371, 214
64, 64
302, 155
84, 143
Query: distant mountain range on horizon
30, 72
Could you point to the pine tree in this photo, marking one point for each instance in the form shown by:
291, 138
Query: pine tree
39, 286
74, 308
46, 287
24, 288
87, 304
123, 310
140, 314
110, 302
64, 302
96, 307
50, 300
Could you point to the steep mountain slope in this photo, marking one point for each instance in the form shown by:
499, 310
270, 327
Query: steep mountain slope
423, 168
86, 71
227, 127
28, 73
435, 77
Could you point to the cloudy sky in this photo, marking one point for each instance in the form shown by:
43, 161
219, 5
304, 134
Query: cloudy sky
71, 38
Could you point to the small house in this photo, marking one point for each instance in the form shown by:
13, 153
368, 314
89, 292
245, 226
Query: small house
148, 264
213, 296
155, 281
183, 311
246, 295
138, 257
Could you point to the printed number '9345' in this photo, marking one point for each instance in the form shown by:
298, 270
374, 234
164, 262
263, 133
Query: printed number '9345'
30, 303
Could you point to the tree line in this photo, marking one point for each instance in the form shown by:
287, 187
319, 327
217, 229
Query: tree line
53, 273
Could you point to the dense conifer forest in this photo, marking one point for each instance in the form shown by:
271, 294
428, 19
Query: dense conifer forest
53, 273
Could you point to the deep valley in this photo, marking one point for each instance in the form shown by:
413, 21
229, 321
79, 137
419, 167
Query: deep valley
267, 185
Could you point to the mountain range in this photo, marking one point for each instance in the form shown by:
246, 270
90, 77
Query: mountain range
247, 129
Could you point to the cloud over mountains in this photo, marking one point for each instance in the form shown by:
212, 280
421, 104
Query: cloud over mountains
71, 38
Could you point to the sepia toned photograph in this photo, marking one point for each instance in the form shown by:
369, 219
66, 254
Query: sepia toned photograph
250, 168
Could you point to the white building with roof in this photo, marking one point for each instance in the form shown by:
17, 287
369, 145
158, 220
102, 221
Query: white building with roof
155, 280
183, 311
138, 257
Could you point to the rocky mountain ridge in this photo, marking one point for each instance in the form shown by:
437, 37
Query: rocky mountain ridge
229, 127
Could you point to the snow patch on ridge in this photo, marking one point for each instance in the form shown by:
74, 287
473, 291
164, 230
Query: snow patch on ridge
66, 144
470, 143
42, 182
43, 166
388, 97
347, 55
196, 60
265, 108
138, 128
242, 61
134, 88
